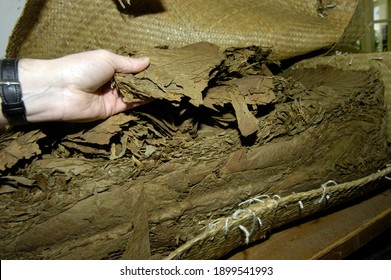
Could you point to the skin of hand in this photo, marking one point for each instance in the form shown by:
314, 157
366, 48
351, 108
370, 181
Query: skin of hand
76, 87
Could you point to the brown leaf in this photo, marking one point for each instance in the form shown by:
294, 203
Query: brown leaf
102, 133
20, 180
247, 122
19, 146
173, 74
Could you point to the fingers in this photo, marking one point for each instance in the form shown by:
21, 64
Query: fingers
120, 106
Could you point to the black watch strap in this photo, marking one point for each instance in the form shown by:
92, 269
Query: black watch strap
11, 93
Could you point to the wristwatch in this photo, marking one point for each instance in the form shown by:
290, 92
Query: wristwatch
12, 104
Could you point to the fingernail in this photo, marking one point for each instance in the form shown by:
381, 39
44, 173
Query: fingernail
144, 58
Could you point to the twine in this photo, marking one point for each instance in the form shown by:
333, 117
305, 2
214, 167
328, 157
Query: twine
272, 212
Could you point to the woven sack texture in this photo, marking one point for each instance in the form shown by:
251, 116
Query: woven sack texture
52, 28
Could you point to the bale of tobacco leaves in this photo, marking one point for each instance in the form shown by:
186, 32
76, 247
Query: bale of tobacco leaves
220, 129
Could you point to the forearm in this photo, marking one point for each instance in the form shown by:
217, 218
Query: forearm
39, 80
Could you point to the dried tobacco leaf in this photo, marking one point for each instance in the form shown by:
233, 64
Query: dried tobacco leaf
19, 146
256, 90
103, 132
172, 75
96, 140
252, 90
240, 62
19, 180
247, 122
202, 69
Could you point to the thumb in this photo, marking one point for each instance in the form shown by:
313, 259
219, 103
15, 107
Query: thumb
124, 64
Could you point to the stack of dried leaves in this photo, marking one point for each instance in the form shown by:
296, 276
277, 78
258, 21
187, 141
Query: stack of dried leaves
219, 128
204, 76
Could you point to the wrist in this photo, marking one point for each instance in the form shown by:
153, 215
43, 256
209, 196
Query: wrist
37, 79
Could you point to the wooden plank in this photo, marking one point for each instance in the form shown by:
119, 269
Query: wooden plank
333, 236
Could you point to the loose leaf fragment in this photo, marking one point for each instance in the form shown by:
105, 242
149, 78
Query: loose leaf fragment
19, 146
172, 75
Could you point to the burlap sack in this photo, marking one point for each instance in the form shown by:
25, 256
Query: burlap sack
51, 28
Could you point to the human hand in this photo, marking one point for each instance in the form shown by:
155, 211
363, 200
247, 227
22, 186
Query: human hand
75, 87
